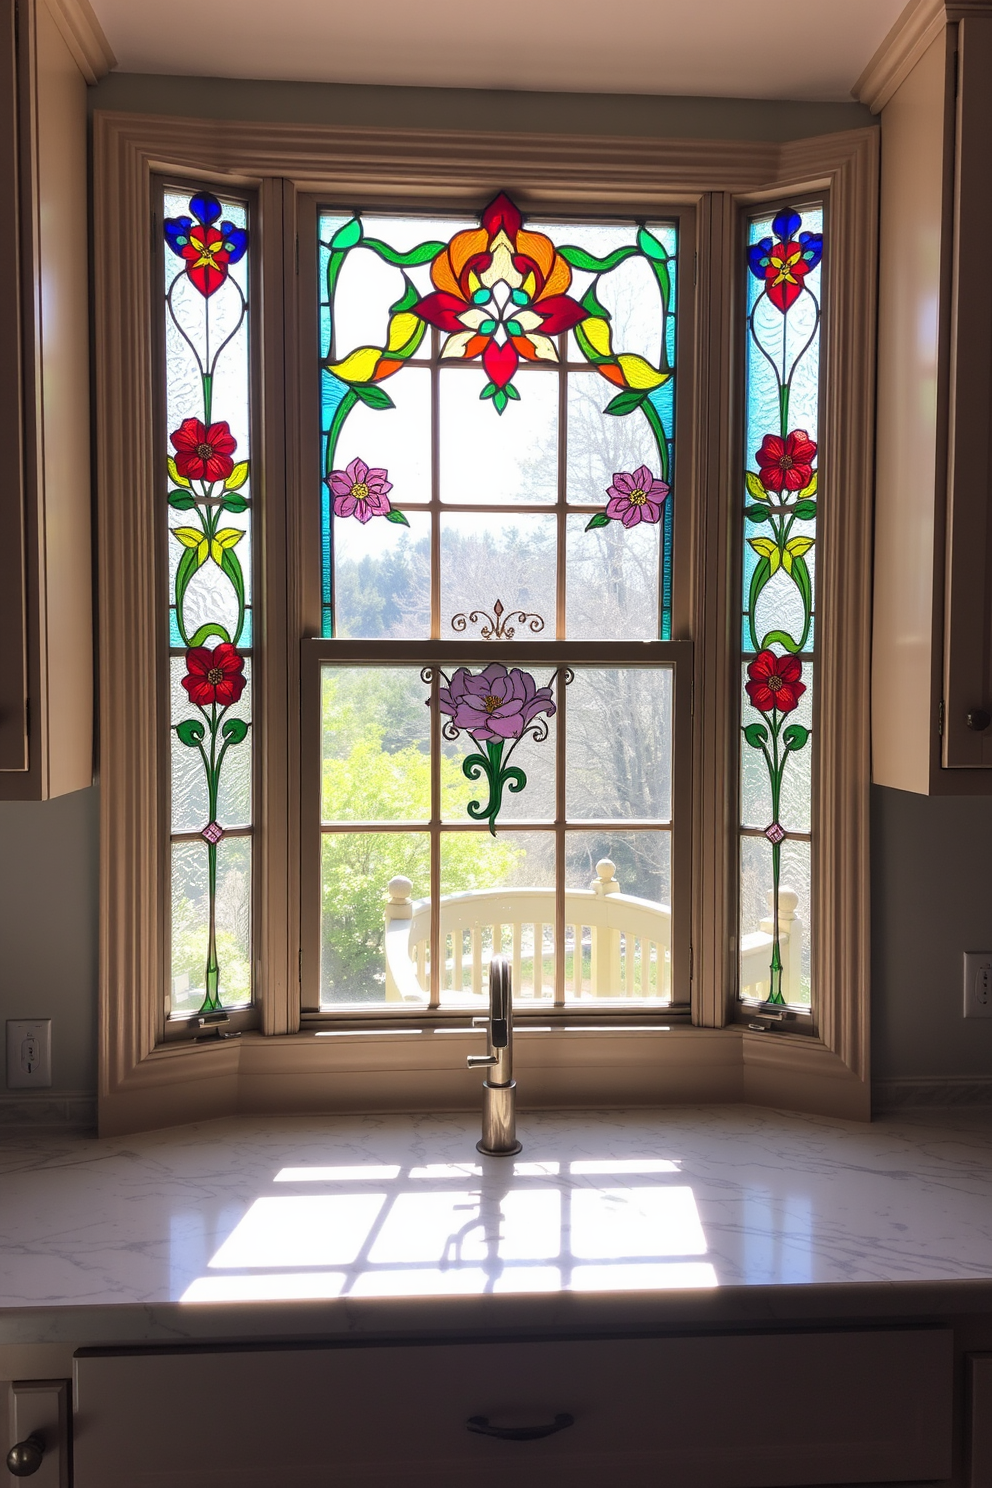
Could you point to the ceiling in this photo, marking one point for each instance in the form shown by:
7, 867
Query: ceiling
807, 49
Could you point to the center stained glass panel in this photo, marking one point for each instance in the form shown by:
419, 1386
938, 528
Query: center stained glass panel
497, 468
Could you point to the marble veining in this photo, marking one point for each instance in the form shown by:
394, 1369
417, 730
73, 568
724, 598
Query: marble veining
343, 1210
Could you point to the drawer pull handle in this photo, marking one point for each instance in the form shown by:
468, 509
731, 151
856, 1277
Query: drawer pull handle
480, 1425
25, 1457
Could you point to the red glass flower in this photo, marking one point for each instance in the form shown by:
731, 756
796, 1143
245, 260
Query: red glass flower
500, 294
214, 676
202, 453
784, 264
209, 251
774, 682
786, 464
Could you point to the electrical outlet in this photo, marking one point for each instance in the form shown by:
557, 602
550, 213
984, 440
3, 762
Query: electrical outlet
978, 984
29, 1053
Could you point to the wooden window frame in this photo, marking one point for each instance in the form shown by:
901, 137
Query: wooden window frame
146, 1079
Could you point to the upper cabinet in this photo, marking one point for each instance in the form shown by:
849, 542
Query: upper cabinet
49, 49
932, 645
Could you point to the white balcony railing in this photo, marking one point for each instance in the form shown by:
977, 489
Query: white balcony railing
616, 946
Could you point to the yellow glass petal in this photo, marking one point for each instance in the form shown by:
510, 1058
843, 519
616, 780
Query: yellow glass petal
597, 333
402, 328
359, 365
639, 373
180, 480
797, 546
229, 537
190, 537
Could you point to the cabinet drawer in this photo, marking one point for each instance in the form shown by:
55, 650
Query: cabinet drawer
738, 1411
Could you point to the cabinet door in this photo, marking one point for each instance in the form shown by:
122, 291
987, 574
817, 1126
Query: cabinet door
967, 726
749, 1411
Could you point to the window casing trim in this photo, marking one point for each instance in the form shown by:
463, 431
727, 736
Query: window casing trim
143, 1081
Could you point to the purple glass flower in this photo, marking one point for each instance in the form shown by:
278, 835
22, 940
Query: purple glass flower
635, 496
495, 704
360, 491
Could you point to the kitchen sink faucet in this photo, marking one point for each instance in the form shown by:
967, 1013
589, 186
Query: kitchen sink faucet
499, 1122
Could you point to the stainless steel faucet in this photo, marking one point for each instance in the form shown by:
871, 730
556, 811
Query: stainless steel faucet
499, 1122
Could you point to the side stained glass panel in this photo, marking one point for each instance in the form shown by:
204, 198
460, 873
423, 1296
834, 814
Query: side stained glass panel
208, 511
784, 252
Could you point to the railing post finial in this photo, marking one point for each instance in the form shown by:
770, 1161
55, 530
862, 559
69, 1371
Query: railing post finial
605, 881
400, 904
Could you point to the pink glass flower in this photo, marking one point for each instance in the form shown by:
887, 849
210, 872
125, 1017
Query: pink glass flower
635, 496
360, 491
495, 704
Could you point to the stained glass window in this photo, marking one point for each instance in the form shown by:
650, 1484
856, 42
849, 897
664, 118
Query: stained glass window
498, 423
784, 251
207, 519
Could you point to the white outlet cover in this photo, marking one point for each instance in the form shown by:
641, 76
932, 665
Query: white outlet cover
977, 984
29, 1053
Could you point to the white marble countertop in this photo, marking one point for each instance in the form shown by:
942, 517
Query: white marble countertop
292, 1226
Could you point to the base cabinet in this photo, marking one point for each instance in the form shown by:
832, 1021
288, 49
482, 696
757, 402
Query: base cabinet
741, 1411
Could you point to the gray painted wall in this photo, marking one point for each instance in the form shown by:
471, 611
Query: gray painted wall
931, 859
49, 864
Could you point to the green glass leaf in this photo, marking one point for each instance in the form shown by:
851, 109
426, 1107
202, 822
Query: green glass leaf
423, 253
482, 297
488, 390
805, 510
181, 500
235, 730
795, 736
579, 258
625, 402
592, 304
754, 486
205, 631
513, 328
487, 327
190, 732
599, 520
234, 503
756, 735
397, 517
348, 235
757, 514
407, 299
519, 297
500, 399
513, 392
650, 247
374, 397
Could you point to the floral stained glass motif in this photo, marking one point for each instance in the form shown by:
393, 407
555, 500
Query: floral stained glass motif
496, 707
208, 501
780, 505
504, 299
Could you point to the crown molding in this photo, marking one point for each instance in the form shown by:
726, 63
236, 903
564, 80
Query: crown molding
84, 36
919, 25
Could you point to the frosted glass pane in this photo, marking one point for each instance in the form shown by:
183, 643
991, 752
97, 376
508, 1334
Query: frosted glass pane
396, 439
382, 578
512, 560
517, 922
498, 458
375, 744
757, 925
355, 870
618, 744
600, 444
536, 757
190, 920
611, 581
796, 796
